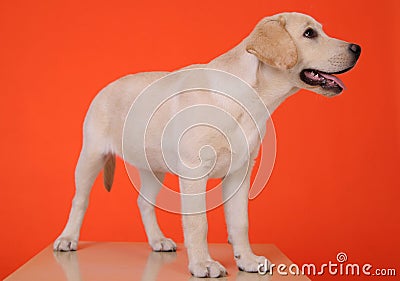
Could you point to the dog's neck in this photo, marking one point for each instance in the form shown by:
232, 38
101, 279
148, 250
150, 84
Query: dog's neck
272, 86
270, 83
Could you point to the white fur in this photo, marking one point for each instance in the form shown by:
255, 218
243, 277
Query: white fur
103, 129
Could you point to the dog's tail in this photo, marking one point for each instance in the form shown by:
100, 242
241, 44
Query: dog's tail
108, 175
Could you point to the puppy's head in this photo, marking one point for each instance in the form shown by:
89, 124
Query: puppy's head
296, 45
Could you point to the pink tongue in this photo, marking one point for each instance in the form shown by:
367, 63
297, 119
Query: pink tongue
334, 78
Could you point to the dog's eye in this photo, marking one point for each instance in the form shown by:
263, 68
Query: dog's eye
310, 33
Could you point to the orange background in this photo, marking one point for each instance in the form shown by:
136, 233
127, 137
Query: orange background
335, 186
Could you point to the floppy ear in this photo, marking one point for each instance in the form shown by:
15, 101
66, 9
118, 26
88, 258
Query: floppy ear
272, 44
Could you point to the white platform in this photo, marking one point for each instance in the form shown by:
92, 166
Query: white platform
114, 261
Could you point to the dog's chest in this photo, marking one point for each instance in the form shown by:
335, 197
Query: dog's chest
222, 150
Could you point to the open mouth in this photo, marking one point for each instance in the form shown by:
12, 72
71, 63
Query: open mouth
325, 80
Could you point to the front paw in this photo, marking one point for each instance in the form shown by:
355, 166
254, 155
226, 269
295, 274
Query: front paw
251, 262
207, 269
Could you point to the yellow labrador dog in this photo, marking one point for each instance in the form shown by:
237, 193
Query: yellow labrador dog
284, 53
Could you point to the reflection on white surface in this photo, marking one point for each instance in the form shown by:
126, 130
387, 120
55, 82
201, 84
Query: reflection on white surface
152, 268
154, 264
152, 271
121, 261
70, 265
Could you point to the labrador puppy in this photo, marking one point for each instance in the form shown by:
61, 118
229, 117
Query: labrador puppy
283, 54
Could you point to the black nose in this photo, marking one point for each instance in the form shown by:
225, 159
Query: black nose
355, 49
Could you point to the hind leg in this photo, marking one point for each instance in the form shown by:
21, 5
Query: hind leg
150, 187
89, 165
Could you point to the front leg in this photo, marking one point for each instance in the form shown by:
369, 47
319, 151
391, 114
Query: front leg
195, 229
236, 216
